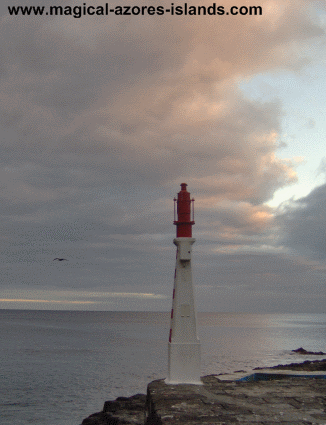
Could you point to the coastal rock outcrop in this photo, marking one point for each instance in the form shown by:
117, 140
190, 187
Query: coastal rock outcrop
122, 411
308, 366
303, 351
228, 402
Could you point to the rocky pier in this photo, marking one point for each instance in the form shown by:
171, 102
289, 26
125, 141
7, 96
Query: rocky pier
284, 394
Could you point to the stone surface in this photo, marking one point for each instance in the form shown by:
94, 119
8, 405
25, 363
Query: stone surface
277, 401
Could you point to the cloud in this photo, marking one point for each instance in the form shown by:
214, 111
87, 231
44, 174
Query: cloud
259, 282
303, 222
73, 299
103, 117
6, 300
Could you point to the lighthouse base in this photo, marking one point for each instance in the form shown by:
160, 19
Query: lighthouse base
184, 363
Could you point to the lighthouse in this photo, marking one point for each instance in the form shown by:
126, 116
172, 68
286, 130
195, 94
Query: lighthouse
184, 345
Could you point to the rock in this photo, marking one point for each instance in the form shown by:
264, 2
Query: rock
307, 365
310, 366
303, 351
122, 411
100, 419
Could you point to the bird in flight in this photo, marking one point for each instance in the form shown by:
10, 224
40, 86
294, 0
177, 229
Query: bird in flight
60, 259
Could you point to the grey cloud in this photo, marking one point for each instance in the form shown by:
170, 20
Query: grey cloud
304, 223
260, 283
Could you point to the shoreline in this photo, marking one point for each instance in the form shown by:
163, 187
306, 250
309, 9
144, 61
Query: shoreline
141, 409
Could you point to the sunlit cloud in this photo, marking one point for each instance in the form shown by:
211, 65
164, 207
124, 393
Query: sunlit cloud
126, 295
46, 301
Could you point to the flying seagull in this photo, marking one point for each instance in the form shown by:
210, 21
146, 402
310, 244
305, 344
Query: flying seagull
60, 259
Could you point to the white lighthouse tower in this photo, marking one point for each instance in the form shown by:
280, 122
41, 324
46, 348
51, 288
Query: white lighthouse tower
184, 345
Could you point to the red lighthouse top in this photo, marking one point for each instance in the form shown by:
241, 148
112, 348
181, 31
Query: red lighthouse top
184, 222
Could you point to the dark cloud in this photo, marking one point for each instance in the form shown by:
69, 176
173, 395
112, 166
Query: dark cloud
304, 223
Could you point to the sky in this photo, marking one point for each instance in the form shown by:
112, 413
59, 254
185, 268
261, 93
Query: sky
102, 118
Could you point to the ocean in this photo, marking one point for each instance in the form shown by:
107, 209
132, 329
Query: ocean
58, 367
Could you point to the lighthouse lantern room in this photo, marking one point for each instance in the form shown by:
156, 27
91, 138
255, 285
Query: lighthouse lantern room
184, 345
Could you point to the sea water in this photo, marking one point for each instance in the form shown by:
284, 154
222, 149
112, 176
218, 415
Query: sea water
58, 367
